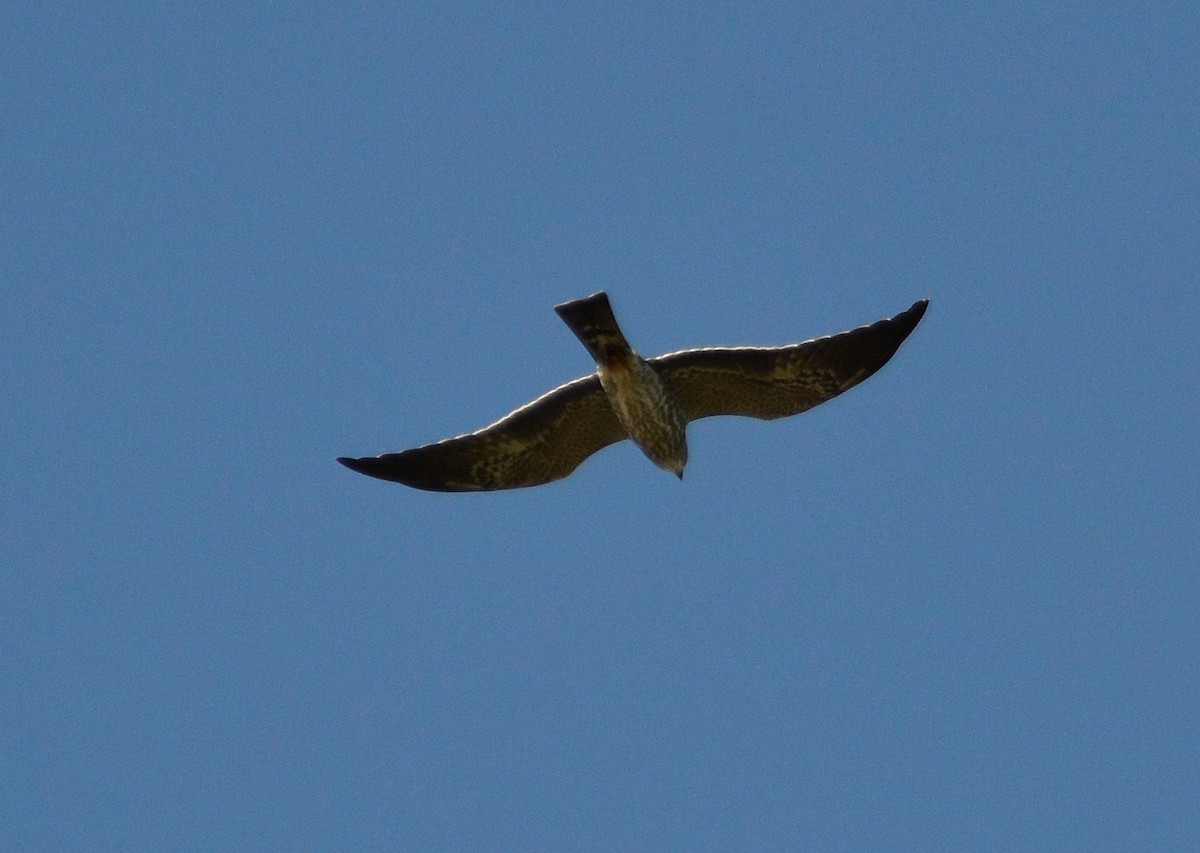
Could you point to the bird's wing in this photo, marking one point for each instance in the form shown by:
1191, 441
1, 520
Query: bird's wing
774, 382
542, 441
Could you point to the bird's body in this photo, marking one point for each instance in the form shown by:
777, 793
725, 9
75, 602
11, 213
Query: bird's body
642, 402
648, 401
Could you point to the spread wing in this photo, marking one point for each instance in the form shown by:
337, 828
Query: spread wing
774, 382
542, 441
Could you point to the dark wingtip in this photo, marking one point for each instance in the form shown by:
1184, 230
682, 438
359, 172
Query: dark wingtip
864, 350
906, 321
372, 466
916, 312
349, 462
409, 468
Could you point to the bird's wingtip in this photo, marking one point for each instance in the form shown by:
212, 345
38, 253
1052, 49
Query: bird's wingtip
909, 318
353, 464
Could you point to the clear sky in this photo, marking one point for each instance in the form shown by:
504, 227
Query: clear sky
957, 608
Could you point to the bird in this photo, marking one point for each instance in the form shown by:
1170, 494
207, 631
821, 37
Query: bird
649, 401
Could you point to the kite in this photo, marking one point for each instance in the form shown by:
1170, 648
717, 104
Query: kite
649, 401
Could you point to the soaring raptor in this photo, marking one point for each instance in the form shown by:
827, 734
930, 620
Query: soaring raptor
650, 402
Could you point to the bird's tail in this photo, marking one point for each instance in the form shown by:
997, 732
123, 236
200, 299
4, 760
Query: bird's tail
592, 321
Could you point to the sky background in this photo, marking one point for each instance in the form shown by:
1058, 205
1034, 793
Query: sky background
957, 608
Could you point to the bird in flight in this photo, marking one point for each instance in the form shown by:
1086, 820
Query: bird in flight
649, 401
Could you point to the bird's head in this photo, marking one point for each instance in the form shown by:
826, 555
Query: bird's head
675, 462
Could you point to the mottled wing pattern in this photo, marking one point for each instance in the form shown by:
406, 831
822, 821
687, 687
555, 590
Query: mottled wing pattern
539, 442
774, 382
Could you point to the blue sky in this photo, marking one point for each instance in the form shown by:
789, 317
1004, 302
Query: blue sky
957, 608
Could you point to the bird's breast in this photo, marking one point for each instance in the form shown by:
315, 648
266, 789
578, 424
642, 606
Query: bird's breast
631, 385
646, 409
